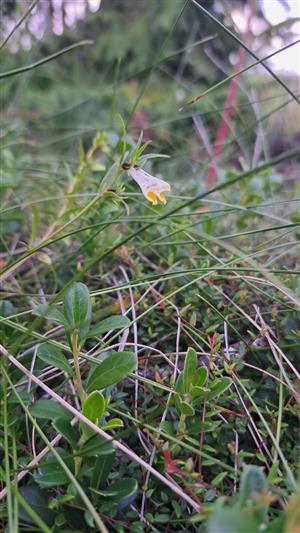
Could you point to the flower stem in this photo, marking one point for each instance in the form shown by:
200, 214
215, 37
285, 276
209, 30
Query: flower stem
78, 382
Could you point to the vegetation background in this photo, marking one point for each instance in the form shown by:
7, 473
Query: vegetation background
149, 352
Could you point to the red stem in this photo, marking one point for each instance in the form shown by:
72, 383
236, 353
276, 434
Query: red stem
227, 113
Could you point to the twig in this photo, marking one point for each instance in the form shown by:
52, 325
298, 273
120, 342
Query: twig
133, 456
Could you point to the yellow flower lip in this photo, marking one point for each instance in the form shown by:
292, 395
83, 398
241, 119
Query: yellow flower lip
151, 196
151, 187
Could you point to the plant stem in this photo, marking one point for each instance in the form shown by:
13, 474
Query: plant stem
78, 382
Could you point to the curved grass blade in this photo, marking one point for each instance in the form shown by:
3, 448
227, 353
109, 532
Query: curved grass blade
32, 66
16, 26
235, 37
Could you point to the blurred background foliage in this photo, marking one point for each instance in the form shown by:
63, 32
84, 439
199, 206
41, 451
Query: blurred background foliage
141, 50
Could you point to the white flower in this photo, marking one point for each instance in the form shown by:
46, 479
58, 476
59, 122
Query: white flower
152, 188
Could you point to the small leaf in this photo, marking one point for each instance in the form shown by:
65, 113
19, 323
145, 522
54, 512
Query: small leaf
231, 520
176, 399
50, 313
218, 479
6, 308
113, 423
113, 322
162, 518
97, 445
124, 492
94, 406
55, 357
190, 365
179, 384
193, 319
218, 386
186, 409
93, 409
50, 473
65, 429
49, 409
200, 377
38, 500
253, 480
78, 308
102, 468
112, 370
198, 392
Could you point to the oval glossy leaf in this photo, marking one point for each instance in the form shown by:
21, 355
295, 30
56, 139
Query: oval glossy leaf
116, 367
49, 409
46, 311
120, 490
96, 445
78, 307
64, 428
200, 377
55, 357
94, 406
113, 423
38, 500
179, 384
113, 322
218, 386
102, 468
190, 365
198, 392
50, 473
186, 409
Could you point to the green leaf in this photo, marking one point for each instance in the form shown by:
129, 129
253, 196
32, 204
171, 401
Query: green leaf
55, 357
93, 409
38, 500
102, 468
112, 370
273, 475
96, 445
200, 377
121, 491
50, 473
198, 392
218, 386
49, 409
50, 313
179, 384
78, 308
253, 480
218, 479
6, 308
65, 429
186, 409
113, 322
190, 365
113, 423
94, 406
162, 518
232, 520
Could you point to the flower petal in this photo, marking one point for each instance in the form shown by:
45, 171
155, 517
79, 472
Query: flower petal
151, 186
152, 197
